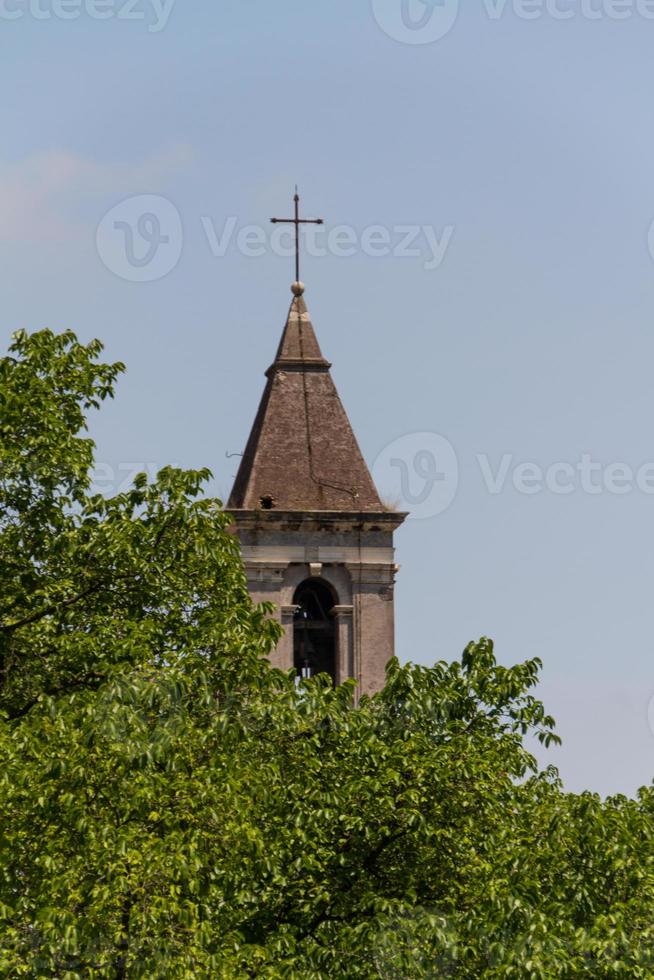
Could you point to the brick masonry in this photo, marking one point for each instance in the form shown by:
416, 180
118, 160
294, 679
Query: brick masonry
304, 505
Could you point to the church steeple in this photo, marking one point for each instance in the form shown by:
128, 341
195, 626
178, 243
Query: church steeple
316, 539
302, 454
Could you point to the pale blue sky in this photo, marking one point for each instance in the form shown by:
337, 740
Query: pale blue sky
531, 139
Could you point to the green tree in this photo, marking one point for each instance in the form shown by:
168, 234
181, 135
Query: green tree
172, 807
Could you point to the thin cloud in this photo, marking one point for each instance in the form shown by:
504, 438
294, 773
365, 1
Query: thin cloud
54, 195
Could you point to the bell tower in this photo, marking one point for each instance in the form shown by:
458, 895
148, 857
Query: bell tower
316, 539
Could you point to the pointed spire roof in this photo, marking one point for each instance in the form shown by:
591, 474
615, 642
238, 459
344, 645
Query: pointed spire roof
302, 454
299, 345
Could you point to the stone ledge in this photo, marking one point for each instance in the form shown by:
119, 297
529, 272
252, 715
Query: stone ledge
308, 520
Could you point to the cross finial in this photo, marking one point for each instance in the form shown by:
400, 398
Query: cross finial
297, 221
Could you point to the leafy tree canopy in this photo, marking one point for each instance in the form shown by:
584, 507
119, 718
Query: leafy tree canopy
170, 806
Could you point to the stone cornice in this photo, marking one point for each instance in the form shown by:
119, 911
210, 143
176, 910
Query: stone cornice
307, 520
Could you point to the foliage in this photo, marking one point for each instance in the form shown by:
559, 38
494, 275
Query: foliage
172, 807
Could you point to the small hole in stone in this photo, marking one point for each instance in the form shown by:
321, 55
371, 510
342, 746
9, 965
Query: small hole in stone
267, 502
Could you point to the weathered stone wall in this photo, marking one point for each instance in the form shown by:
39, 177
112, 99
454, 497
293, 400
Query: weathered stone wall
358, 564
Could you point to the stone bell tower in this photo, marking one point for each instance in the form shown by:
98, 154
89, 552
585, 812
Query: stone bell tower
316, 539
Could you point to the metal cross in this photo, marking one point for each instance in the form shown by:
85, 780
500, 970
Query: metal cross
297, 221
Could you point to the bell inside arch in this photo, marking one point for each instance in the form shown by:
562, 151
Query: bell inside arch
314, 630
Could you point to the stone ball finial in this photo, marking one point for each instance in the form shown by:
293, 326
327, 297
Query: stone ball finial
297, 288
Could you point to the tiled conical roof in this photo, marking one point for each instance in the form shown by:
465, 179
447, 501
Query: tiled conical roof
302, 454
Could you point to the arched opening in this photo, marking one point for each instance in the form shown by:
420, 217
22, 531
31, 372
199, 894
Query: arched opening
314, 630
